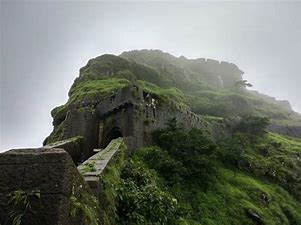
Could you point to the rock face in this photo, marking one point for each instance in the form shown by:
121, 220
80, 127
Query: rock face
47, 179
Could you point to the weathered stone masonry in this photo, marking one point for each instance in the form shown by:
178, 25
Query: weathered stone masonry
49, 172
131, 113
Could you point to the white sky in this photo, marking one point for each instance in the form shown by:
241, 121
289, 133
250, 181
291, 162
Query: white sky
43, 45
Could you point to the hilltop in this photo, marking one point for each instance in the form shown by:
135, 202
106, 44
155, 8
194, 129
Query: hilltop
204, 86
168, 140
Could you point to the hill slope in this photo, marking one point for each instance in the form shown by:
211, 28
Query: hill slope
249, 178
206, 87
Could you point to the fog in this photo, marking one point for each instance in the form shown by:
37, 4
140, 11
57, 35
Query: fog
43, 45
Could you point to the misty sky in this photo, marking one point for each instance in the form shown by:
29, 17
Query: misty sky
43, 45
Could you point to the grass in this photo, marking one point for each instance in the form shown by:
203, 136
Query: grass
20, 205
89, 90
235, 193
93, 89
213, 118
234, 196
170, 80
278, 159
165, 94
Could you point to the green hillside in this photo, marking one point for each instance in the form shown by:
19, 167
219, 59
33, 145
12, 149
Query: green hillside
199, 81
252, 177
187, 179
188, 82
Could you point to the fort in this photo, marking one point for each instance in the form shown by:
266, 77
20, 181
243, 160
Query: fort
49, 184
216, 71
130, 113
96, 133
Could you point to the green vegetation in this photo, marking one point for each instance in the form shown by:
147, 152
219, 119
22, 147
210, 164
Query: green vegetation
253, 125
185, 82
204, 93
110, 183
253, 177
89, 167
187, 179
164, 94
92, 89
271, 157
141, 201
87, 91
83, 206
20, 204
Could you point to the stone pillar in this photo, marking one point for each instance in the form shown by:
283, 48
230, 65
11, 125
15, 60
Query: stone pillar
48, 180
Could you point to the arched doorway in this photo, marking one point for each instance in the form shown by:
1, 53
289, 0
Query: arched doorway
113, 134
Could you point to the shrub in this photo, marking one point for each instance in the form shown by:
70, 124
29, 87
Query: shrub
192, 150
253, 125
141, 201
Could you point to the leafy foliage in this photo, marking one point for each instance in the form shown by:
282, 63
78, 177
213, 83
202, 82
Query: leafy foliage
141, 201
191, 149
170, 79
210, 184
84, 207
253, 125
242, 84
89, 167
187, 179
271, 157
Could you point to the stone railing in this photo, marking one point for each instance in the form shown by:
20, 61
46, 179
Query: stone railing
94, 167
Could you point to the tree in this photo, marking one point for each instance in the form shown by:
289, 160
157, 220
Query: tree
253, 125
192, 149
242, 84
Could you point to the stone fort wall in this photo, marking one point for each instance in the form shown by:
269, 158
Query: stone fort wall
130, 112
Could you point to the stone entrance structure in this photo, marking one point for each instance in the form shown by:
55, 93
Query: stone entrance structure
130, 113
